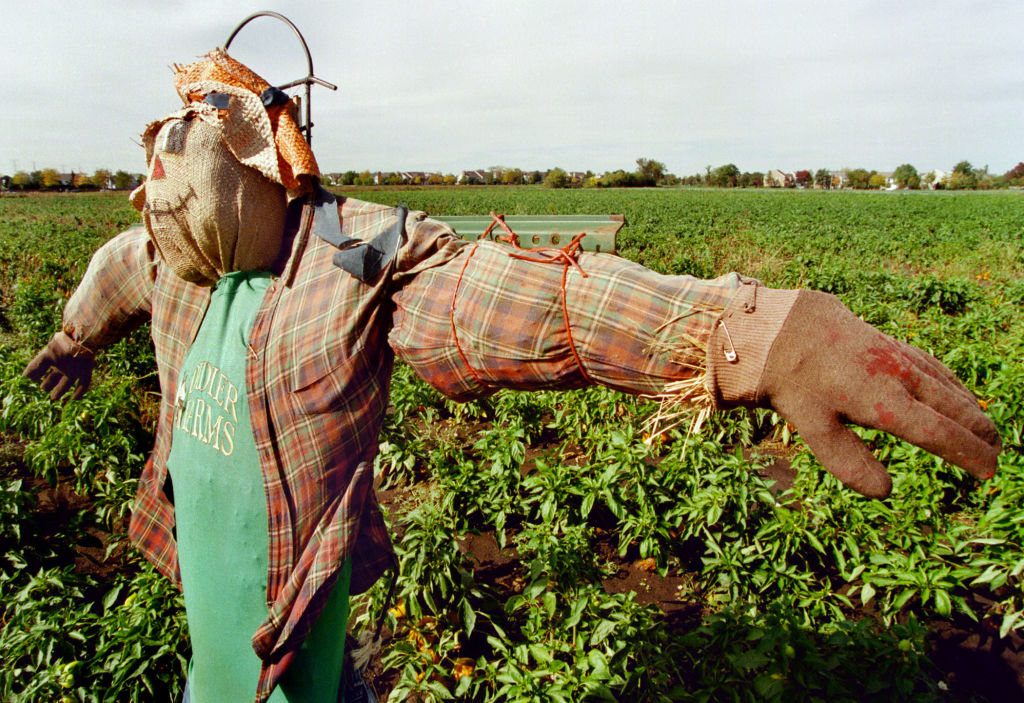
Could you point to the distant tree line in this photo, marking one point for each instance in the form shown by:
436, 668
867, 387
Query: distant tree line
52, 179
648, 172
963, 176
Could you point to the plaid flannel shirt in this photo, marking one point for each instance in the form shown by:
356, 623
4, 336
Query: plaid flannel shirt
469, 319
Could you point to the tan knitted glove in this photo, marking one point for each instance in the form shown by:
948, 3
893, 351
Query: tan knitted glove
806, 355
62, 364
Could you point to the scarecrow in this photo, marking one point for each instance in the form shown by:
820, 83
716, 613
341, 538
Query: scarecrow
277, 312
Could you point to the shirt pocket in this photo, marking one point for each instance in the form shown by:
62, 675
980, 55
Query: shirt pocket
322, 376
341, 375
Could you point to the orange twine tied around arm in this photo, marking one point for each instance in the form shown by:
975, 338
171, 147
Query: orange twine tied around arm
539, 255
451, 316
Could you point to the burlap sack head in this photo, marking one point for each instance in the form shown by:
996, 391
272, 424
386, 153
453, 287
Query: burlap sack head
222, 170
207, 213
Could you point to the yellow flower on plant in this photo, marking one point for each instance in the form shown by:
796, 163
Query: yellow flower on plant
464, 666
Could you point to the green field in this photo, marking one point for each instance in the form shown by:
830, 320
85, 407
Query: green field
547, 552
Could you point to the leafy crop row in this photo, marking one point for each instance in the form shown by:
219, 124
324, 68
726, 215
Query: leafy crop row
810, 593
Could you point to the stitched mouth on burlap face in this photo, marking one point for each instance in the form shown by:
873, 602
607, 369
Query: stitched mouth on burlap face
167, 219
171, 203
159, 207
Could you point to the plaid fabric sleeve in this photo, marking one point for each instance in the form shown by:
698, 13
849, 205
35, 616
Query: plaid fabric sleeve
487, 320
115, 294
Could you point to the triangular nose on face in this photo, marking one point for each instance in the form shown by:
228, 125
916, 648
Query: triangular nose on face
158, 169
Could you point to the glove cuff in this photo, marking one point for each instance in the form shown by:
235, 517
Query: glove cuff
72, 348
741, 341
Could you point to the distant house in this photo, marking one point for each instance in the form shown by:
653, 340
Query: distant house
890, 180
937, 180
74, 179
840, 179
778, 179
475, 177
414, 178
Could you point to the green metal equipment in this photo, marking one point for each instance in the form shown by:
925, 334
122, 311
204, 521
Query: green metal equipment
542, 230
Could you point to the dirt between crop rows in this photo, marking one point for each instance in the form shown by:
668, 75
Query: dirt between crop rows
975, 662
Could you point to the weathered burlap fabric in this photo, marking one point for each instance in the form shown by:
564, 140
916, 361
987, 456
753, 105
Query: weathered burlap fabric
266, 138
207, 213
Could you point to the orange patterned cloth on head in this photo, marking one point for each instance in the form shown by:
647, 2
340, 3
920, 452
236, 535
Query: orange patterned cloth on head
295, 164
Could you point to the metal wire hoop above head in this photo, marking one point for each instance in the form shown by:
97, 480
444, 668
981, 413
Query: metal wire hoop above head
308, 80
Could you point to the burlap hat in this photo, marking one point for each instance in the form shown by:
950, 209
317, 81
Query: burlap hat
256, 120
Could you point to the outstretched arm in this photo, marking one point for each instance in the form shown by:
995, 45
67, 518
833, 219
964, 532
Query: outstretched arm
112, 299
486, 320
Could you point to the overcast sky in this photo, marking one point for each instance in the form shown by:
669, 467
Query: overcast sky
446, 86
